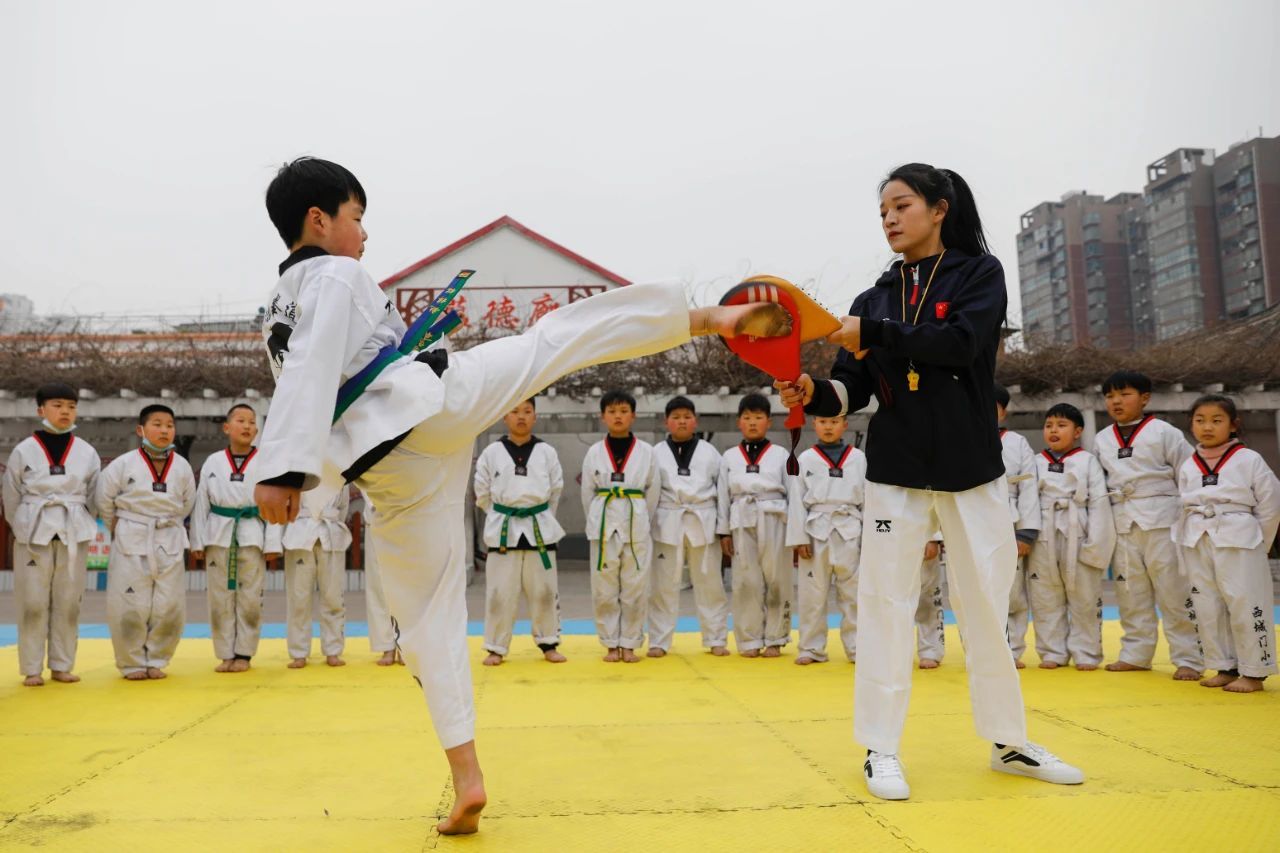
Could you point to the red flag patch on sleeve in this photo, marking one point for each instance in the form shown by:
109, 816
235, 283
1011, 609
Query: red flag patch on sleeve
940, 309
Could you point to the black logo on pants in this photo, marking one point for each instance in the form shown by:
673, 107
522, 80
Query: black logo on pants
884, 525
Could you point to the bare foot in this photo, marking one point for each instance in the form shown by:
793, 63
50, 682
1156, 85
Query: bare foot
297, 663
928, 663
1186, 673
33, 681
140, 675
156, 673
239, 665
1019, 664
756, 319
613, 656
1244, 684
657, 653
387, 659
468, 789
492, 659
629, 656
1124, 666
805, 660
64, 677
1086, 667
225, 666
772, 651
554, 656
1048, 664
1222, 679
334, 660
750, 653
719, 651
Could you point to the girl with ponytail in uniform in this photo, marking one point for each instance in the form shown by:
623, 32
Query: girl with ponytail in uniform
923, 342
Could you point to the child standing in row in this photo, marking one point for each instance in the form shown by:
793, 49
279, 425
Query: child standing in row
619, 485
752, 522
824, 525
234, 542
49, 489
1024, 508
382, 630
518, 483
315, 570
1230, 511
1076, 541
684, 530
1141, 455
931, 637
144, 498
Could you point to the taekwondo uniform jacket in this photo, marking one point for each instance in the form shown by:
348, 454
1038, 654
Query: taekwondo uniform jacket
221, 485
630, 517
1235, 503
1142, 473
746, 496
499, 481
1020, 474
1073, 503
148, 520
826, 502
319, 521
46, 497
686, 493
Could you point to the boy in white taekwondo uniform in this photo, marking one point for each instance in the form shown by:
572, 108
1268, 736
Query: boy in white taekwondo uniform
48, 499
1075, 544
315, 569
824, 525
1230, 512
684, 530
931, 637
619, 489
1141, 456
404, 423
235, 543
518, 483
1024, 507
144, 497
754, 490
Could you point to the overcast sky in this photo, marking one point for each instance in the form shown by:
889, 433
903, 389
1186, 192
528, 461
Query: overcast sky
698, 140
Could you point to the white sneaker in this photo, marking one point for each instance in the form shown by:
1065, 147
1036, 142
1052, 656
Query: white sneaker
885, 777
1035, 761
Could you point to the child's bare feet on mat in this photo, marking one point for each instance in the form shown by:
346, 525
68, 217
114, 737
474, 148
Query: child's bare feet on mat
719, 651
1244, 684
928, 663
1186, 673
334, 660
554, 656
655, 652
1222, 679
772, 651
296, 663
1019, 664
64, 677
1125, 666
1086, 667
613, 656
757, 319
492, 659
140, 675
156, 673
750, 653
387, 659
805, 660
33, 681
628, 656
468, 790
225, 666
239, 665
1048, 664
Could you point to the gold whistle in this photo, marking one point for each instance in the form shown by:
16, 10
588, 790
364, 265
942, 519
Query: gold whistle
913, 380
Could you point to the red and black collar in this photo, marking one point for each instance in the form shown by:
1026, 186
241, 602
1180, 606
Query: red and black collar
1127, 441
1222, 460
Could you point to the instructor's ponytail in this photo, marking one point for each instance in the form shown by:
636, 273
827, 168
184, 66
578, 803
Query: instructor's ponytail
961, 227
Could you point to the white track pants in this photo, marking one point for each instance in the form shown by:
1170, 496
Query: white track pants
145, 612
620, 591
708, 592
309, 573
48, 587
816, 577
235, 615
1068, 620
1147, 576
931, 626
980, 560
418, 490
1019, 608
1233, 596
762, 584
505, 577
382, 633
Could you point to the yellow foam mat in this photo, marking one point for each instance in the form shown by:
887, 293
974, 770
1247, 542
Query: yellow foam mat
685, 753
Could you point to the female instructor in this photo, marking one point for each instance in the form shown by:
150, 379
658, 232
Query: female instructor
923, 341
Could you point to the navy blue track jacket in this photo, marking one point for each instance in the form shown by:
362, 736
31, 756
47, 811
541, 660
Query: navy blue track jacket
944, 435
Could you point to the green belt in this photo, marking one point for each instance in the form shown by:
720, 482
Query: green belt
523, 512
236, 512
608, 495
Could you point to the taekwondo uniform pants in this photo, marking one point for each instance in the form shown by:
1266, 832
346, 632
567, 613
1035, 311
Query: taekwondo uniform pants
816, 576
505, 577
419, 489
382, 633
146, 609
1232, 592
1068, 621
1147, 576
305, 571
48, 586
762, 584
897, 522
620, 591
235, 615
1019, 607
708, 592
931, 642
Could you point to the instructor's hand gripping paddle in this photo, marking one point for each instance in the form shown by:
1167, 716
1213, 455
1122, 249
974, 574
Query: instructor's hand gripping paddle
780, 357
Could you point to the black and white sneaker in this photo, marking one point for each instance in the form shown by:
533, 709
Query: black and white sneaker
1036, 762
885, 777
